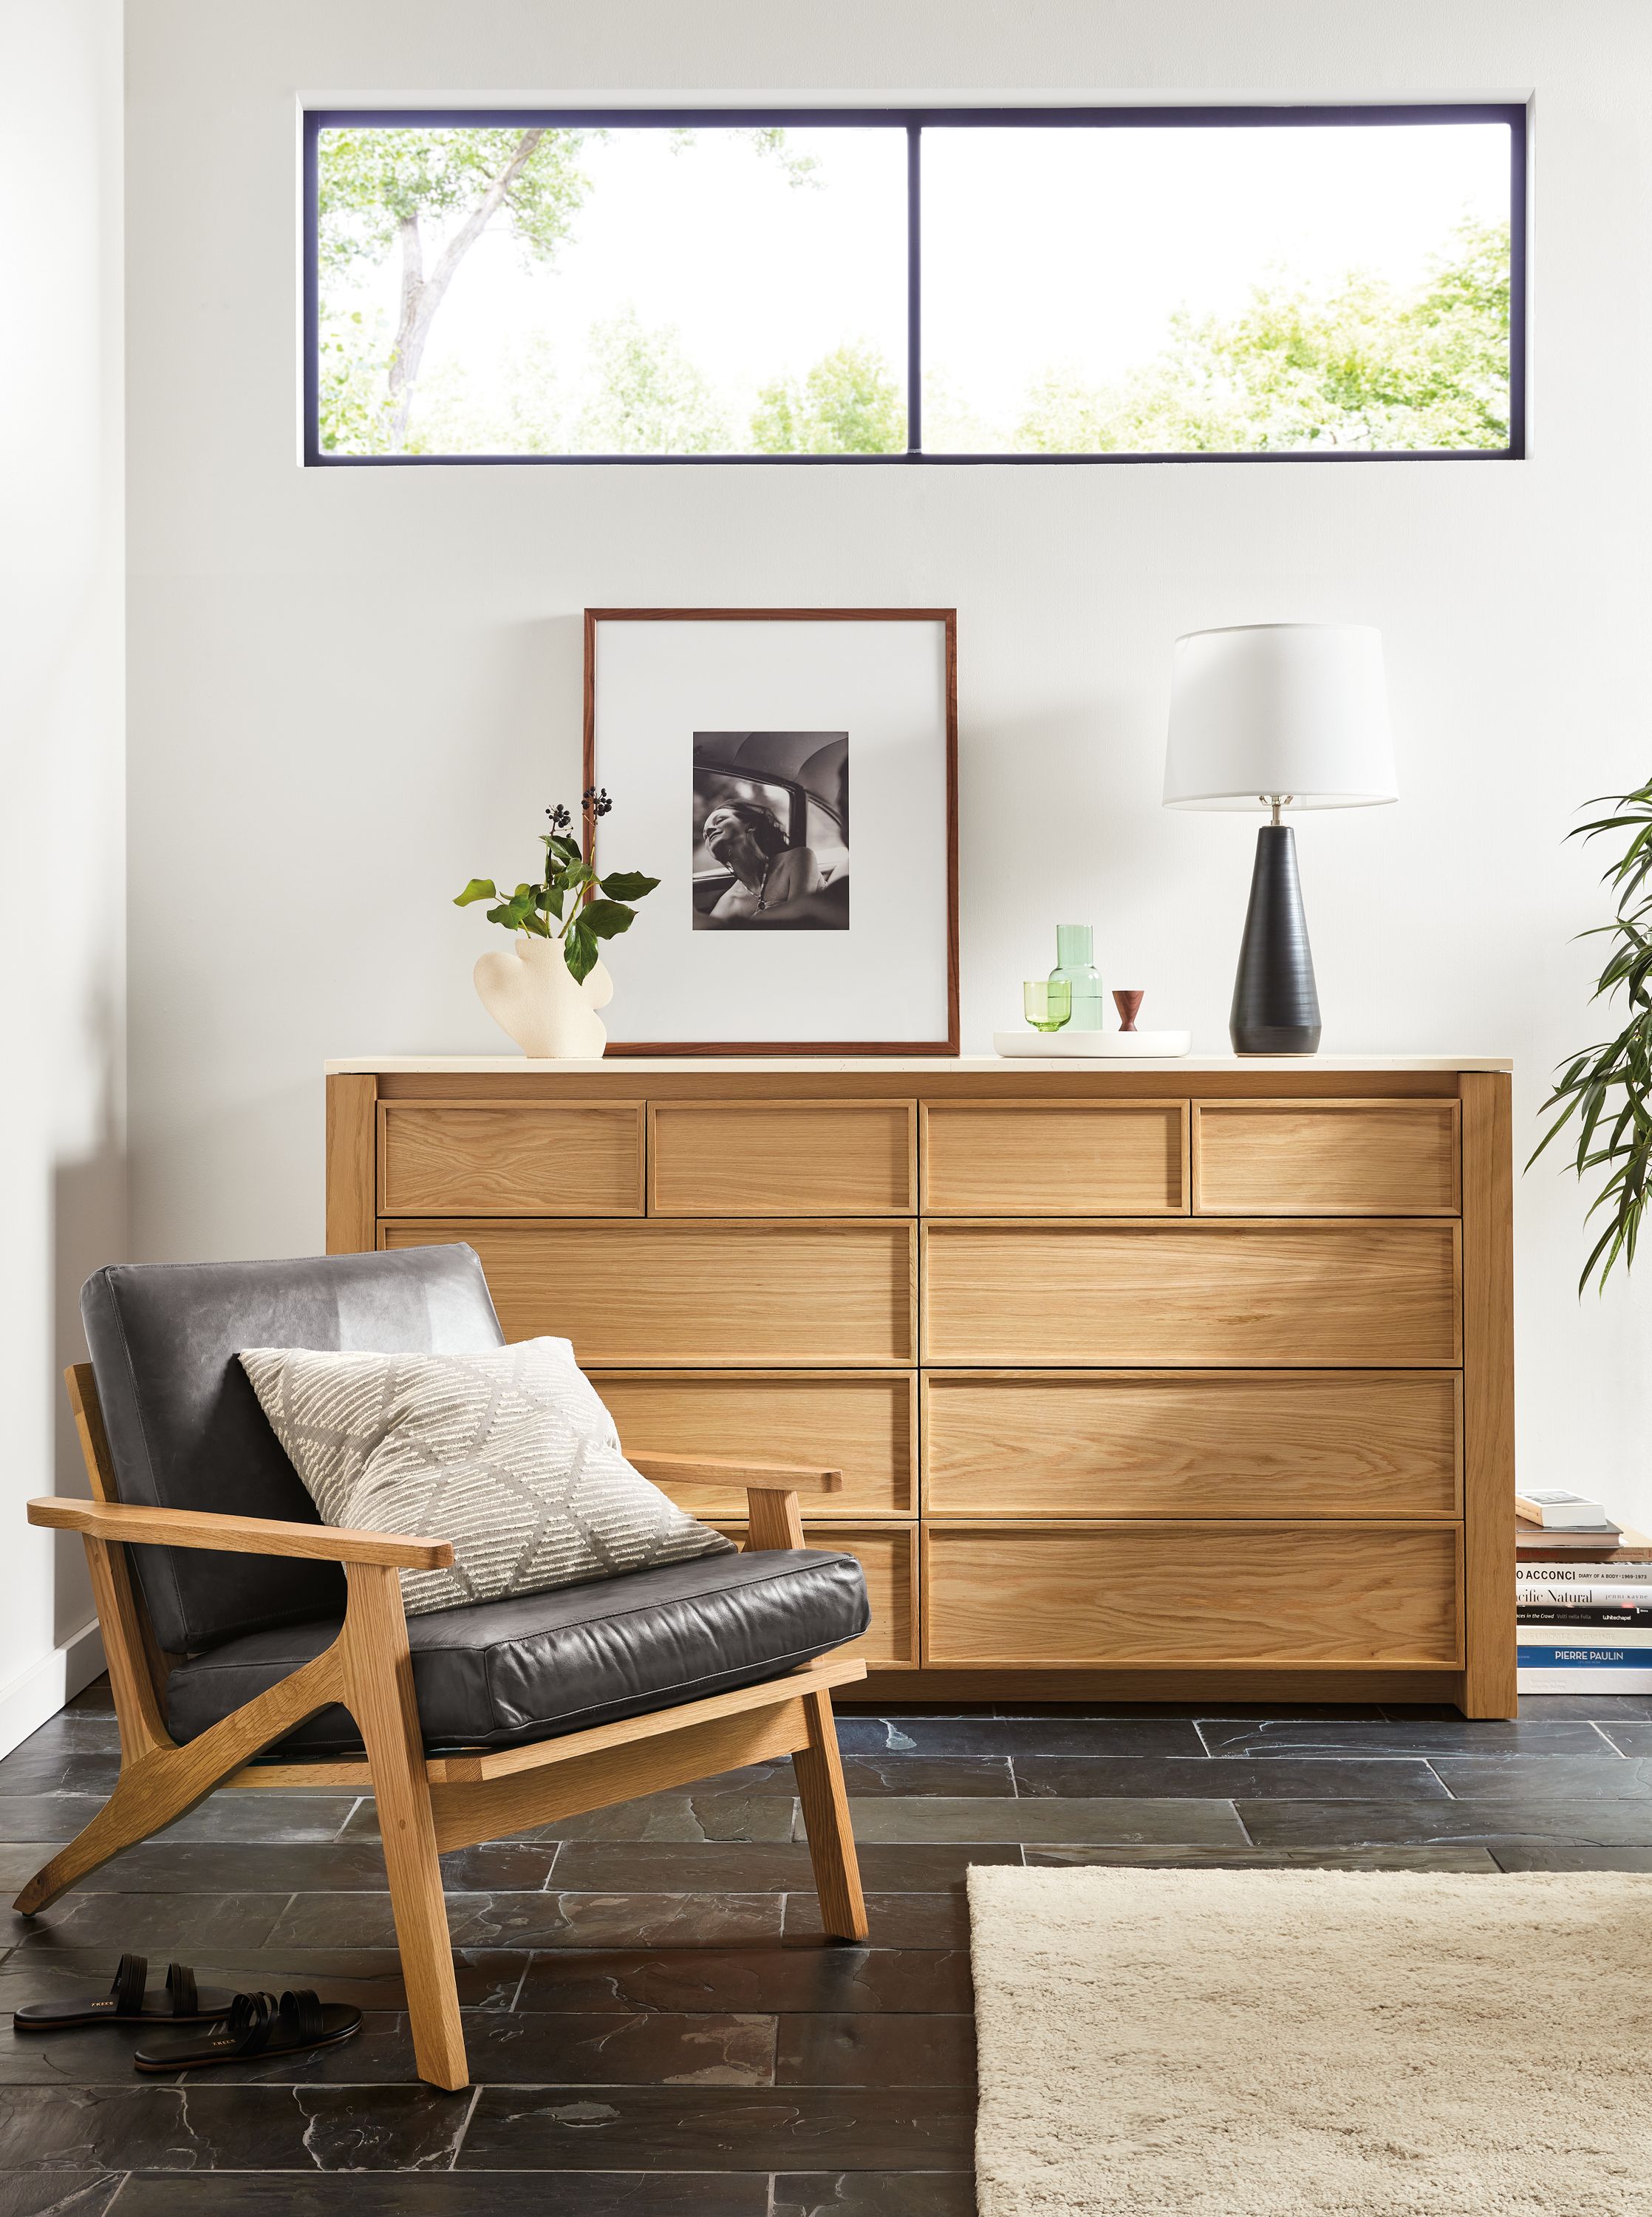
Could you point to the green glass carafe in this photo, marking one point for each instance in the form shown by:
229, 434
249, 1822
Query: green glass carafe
1075, 962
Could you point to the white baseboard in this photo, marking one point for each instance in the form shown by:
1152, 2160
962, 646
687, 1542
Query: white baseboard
40, 1691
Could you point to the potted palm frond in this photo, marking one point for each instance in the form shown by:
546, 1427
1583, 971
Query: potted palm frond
1608, 1089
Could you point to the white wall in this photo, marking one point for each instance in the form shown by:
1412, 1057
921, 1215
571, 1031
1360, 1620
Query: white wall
351, 689
62, 894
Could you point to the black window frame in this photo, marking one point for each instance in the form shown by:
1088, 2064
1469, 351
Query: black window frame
915, 121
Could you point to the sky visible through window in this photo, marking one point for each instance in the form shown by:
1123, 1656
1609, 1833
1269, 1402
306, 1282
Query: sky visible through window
1162, 289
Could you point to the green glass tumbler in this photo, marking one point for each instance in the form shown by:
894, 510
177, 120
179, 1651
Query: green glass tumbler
1048, 1002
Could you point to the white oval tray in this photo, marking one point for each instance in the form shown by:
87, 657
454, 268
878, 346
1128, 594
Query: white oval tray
1158, 1047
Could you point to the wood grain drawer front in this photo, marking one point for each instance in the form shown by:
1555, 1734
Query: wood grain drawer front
864, 1424
1358, 1296
1216, 1593
1326, 1158
1060, 1158
461, 1158
740, 1295
1193, 1443
783, 1158
888, 1553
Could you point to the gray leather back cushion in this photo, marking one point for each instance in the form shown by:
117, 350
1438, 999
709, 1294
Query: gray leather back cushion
184, 1426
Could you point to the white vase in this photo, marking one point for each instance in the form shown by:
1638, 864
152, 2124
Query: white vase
528, 991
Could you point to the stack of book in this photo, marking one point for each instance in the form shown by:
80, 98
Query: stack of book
1583, 1599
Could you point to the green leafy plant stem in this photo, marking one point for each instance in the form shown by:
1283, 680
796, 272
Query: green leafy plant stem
1608, 1087
596, 908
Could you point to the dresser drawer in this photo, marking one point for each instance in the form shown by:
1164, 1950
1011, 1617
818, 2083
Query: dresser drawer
1326, 1158
460, 1159
1209, 1593
783, 1158
888, 1553
662, 1294
1192, 1443
1054, 1158
1356, 1296
865, 1424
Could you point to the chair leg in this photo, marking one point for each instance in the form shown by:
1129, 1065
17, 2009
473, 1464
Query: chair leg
378, 1691
826, 1814
125, 1817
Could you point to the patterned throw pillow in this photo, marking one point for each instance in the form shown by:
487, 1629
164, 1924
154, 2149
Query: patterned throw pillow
510, 1454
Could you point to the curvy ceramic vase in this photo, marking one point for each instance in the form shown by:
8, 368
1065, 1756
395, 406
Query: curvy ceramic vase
526, 988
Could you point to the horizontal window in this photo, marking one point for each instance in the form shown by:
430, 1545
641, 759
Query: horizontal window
894, 287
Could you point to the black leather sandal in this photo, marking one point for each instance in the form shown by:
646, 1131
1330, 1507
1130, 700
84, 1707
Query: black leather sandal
258, 2025
128, 2002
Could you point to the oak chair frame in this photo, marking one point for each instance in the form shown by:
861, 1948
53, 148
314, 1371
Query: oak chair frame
428, 1805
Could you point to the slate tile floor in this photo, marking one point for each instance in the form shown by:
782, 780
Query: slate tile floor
653, 2024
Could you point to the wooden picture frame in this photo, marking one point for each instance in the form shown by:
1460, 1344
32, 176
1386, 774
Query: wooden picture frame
944, 1039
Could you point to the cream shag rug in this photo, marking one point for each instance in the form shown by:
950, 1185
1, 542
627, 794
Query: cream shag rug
1312, 2044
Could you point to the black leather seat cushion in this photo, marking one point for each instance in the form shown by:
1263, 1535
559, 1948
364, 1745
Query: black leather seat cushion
184, 1426
503, 1672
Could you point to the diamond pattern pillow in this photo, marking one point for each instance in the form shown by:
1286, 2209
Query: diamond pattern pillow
510, 1454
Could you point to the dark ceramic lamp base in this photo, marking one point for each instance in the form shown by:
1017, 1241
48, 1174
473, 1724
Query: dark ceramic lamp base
1275, 1006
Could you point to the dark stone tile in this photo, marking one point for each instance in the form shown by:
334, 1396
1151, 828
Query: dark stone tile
56, 2193
1513, 1855
511, 2049
240, 2129
861, 2050
94, 1700
895, 1920
882, 1825
690, 1818
952, 1776
60, 1765
655, 1866
1421, 1736
48, 1817
829, 1979
874, 2194
253, 1813
1624, 1707
1056, 1734
1625, 1735
1465, 1859
370, 1979
1541, 1777
684, 1920
718, 2127
1356, 1824
351, 1866
1229, 1779
478, 2193
162, 1924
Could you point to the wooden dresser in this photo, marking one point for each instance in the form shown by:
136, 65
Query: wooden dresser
1177, 1382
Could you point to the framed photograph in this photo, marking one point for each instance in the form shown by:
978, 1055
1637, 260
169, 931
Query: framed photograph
791, 777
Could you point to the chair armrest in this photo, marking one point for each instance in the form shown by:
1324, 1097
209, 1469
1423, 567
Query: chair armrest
237, 1535
699, 1472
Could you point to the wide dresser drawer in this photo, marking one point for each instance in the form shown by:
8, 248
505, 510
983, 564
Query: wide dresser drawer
1054, 1158
1354, 1294
783, 1158
888, 1553
1192, 1443
1326, 1158
863, 1424
510, 1159
740, 1294
1212, 1593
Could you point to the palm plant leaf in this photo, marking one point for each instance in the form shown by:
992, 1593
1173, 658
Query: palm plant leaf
1608, 1087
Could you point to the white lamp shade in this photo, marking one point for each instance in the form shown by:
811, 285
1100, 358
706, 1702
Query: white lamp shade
1279, 708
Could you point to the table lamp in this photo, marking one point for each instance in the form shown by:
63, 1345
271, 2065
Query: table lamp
1278, 716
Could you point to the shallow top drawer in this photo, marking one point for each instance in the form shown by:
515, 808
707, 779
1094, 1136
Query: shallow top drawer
1054, 1158
783, 1158
520, 1159
1326, 1158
